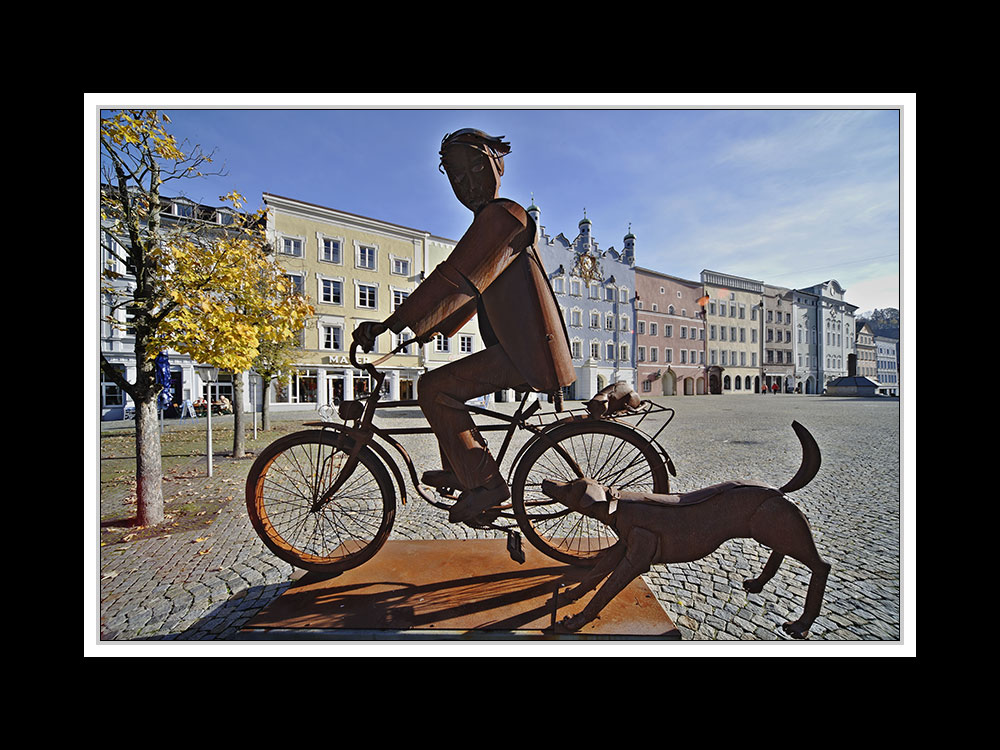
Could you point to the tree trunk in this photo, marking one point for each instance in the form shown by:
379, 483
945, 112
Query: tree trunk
149, 468
239, 437
265, 404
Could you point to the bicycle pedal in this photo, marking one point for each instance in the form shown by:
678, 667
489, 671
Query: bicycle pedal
514, 548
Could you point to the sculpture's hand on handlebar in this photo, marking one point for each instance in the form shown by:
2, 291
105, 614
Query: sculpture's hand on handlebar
366, 333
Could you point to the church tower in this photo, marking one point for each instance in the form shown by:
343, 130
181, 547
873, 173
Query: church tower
628, 255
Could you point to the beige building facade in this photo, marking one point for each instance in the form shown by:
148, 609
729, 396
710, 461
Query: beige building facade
867, 363
353, 269
733, 331
468, 340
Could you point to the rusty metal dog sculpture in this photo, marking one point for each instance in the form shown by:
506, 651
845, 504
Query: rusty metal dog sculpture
662, 529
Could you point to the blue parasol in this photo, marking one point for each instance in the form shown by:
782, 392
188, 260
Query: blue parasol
163, 378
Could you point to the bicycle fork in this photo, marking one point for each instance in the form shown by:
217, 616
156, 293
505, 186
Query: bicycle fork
346, 470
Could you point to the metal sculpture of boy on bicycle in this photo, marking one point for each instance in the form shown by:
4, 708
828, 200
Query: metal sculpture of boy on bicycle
494, 271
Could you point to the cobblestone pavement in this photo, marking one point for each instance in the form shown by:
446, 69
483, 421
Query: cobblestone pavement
204, 585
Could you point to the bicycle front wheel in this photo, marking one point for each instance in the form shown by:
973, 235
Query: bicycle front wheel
285, 484
613, 454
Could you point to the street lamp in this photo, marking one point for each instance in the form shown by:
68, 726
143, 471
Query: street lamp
208, 375
253, 399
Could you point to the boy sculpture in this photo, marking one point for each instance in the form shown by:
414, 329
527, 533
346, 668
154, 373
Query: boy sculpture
494, 271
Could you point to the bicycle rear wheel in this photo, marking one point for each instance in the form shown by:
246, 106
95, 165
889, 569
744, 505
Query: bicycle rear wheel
282, 490
613, 454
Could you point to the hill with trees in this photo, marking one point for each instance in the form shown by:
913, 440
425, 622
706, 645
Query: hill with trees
882, 322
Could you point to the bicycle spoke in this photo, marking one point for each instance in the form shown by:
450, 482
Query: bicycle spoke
611, 454
342, 532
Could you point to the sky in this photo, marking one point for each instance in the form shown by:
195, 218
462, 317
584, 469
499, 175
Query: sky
788, 194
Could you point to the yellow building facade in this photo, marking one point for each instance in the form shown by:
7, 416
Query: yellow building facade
353, 269
733, 331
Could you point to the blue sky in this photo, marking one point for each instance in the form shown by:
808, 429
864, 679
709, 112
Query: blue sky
791, 197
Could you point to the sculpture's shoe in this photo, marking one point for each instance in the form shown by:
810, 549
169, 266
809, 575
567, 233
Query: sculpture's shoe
441, 478
473, 502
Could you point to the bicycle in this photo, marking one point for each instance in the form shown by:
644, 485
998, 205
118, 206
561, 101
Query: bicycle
324, 499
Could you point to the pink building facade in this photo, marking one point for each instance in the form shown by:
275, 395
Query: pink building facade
670, 335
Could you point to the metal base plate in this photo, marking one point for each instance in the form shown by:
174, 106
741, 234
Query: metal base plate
443, 589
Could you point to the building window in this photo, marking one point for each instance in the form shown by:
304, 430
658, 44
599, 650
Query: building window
654, 354
465, 344
557, 285
575, 318
367, 296
623, 352
332, 337
398, 295
574, 288
401, 266
442, 344
330, 252
595, 350
291, 246
640, 327
668, 331
576, 348
366, 257
111, 394
331, 292
610, 350
296, 282
609, 322
653, 329
301, 388
404, 336
640, 354
668, 354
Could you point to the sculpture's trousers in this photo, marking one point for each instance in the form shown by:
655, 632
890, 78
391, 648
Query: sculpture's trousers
463, 450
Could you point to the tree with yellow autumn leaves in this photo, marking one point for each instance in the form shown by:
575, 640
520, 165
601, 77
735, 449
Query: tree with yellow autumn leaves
208, 290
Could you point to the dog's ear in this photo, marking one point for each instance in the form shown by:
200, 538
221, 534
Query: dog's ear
593, 494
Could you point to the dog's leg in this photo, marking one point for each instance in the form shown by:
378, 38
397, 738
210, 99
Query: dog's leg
640, 551
781, 526
814, 598
607, 562
756, 585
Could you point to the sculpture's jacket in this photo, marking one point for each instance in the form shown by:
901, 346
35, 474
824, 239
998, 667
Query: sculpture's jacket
495, 270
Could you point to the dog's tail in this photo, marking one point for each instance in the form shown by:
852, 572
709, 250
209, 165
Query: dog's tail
810, 460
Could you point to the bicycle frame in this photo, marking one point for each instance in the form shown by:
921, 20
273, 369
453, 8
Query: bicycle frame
363, 432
